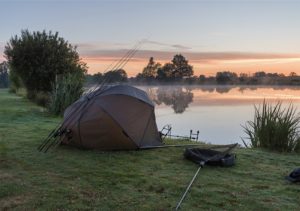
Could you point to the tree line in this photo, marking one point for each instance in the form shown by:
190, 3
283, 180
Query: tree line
173, 71
257, 78
179, 71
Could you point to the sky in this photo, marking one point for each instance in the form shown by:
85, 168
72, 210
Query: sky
225, 35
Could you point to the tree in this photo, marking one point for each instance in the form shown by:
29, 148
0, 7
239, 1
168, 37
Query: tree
165, 72
272, 75
260, 74
150, 71
3, 75
96, 78
181, 67
37, 58
226, 77
178, 69
243, 77
116, 76
202, 78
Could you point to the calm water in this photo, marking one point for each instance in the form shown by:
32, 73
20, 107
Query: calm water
217, 112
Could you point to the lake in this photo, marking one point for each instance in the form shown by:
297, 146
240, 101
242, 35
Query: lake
216, 111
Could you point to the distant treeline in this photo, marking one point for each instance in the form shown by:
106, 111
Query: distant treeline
179, 71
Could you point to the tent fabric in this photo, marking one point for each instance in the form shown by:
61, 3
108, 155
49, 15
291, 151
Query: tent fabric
119, 118
126, 90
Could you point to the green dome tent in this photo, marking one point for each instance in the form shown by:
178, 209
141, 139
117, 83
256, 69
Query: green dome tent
116, 118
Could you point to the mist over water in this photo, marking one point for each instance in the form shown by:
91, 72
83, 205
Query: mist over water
216, 111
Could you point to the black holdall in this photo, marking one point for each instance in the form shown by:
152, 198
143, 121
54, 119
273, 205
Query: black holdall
203, 155
294, 176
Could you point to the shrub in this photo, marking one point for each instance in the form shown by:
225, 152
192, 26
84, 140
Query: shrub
35, 58
42, 98
274, 128
67, 90
15, 81
4, 75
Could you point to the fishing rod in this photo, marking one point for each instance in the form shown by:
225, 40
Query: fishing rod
186, 145
66, 131
182, 137
201, 165
107, 79
56, 134
121, 63
99, 90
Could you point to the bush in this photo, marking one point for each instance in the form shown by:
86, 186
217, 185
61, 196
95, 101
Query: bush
36, 58
274, 128
3, 75
42, 98
15, 81
67, 90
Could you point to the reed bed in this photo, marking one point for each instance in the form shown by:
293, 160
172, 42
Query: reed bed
274, 127
67, 90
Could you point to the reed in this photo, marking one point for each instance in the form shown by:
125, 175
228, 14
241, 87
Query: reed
274, 127
67, 89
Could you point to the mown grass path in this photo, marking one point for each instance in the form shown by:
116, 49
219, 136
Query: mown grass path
72, 179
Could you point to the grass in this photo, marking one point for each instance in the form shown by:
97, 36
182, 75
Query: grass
72, 179
274, 128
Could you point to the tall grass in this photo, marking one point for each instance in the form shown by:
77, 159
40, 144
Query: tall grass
67, 89
274, 127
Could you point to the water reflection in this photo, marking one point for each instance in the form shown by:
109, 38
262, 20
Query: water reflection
226, 89
208, 88
217, 112
178, 98
222, 90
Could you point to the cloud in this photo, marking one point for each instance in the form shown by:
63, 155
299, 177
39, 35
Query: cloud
176, 46
181, 47
92, 46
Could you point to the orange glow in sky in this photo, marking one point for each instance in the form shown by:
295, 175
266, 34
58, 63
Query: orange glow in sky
208, 68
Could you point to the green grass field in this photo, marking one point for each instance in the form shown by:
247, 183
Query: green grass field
72, 179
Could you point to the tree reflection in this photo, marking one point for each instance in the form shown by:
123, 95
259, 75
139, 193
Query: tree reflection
223, 89
177, 97
210, 89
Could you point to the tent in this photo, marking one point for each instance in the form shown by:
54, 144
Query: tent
120, 117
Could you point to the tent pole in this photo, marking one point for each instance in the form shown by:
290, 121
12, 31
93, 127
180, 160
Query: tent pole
188, 188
